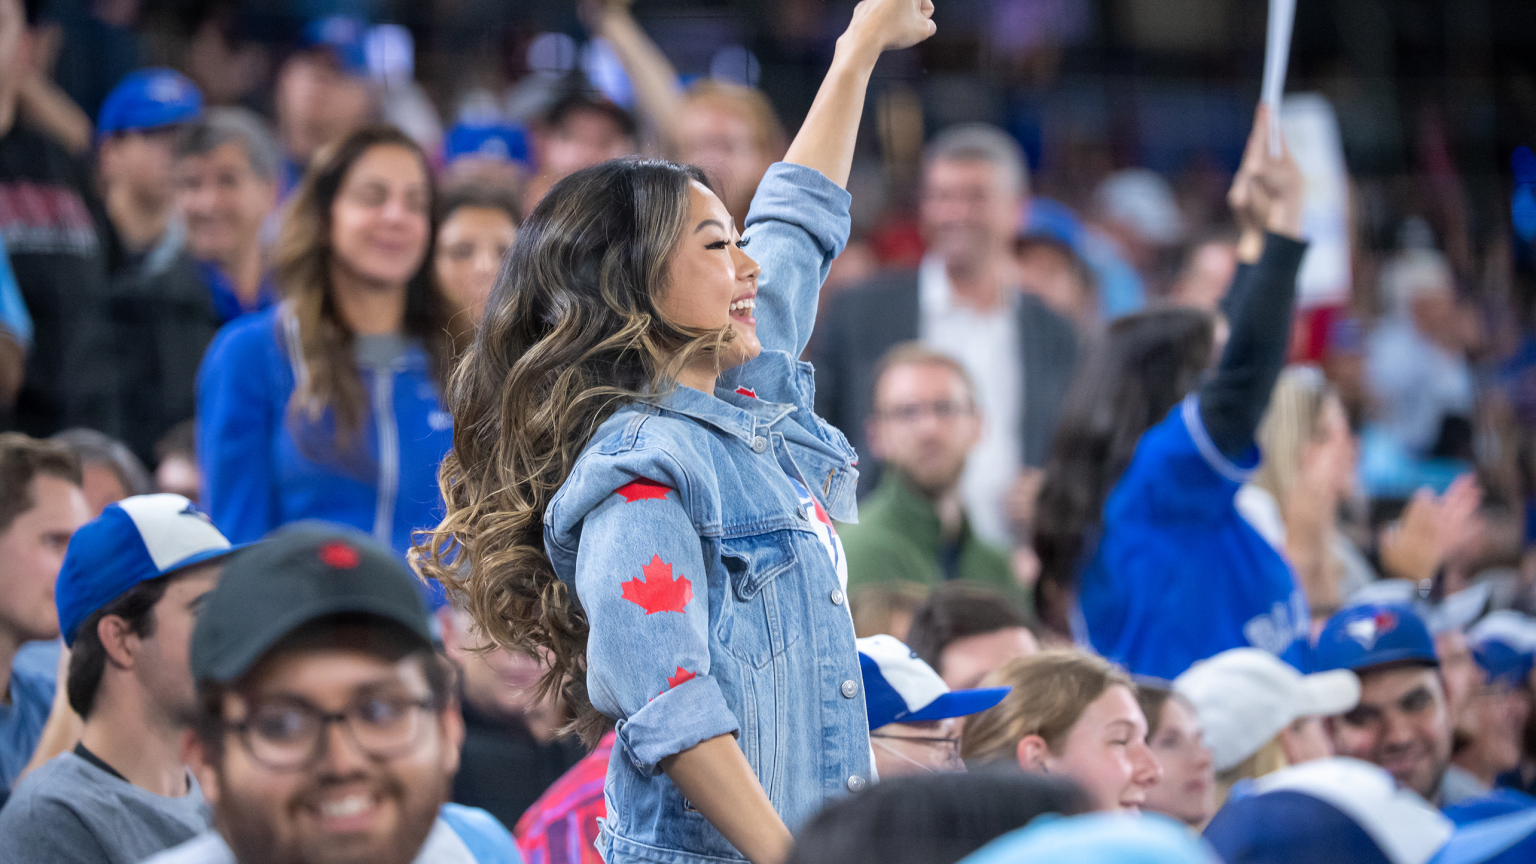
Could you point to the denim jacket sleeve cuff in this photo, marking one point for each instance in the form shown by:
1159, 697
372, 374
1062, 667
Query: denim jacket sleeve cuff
690, 713
805, 197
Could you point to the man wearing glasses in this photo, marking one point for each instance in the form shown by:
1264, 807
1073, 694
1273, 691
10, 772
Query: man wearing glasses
914, 526
127, 596
326, 729
914, 718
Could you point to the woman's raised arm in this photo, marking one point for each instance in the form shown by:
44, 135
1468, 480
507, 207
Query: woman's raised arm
799, 220
826, 138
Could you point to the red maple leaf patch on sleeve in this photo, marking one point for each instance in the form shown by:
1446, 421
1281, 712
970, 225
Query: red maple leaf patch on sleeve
747, 391
659, 592
641, 490
681, 676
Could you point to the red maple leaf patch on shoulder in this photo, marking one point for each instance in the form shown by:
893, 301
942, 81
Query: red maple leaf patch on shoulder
659, 592
681, 676
747, 391
641, 490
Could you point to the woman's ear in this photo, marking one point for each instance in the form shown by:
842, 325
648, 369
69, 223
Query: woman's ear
1032, 752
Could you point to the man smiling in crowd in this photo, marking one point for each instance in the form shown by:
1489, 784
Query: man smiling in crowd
326, 727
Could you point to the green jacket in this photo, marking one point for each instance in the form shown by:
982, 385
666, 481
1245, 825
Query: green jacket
899, 539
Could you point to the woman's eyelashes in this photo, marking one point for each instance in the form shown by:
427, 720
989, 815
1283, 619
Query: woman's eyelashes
721, 244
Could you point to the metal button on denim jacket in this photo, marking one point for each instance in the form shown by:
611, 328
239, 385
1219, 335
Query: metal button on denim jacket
707, 590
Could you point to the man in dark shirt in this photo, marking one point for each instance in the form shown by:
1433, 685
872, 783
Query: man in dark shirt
49, 222
161, 311
510, 754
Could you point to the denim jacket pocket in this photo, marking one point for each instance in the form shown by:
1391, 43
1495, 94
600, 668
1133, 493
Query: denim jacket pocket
757, 627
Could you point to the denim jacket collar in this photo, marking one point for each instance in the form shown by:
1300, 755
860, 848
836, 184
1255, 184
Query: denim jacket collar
737, 414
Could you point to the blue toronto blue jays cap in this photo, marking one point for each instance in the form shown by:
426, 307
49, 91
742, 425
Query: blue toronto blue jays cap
1374, 634
132, 541
1097, 838
900, 688
149, 99
1338, 809
496, 141
345, 37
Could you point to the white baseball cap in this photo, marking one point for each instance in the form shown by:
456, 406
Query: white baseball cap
1245, 696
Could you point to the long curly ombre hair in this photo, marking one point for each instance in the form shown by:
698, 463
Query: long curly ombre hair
571, 332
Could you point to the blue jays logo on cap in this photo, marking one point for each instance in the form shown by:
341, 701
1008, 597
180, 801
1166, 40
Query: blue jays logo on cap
1374, 634
1367, 630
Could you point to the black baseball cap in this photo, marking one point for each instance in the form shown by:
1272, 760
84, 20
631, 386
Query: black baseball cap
300, 574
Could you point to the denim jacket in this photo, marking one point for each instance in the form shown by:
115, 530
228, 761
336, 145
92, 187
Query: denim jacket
714, 607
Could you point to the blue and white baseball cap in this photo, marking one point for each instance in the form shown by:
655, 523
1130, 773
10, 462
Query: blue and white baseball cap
132, 541
149, 99
1504, 644
900, 688
1341, 809
1374, 634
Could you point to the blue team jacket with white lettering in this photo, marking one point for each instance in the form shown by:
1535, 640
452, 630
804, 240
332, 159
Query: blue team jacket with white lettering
256, 474
1179, 575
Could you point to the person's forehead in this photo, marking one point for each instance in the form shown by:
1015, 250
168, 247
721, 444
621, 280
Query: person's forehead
966, 169
1383, 687
381, 164
918, 379
1115, 705
324, 675
229, 153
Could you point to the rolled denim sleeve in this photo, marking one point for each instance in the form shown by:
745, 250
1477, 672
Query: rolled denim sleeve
798, 223
642, 580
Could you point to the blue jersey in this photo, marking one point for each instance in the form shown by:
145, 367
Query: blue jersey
1178, 575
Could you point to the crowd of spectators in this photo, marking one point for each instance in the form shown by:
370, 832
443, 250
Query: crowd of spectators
1137, 532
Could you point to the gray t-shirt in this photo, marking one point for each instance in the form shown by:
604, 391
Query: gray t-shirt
71, 812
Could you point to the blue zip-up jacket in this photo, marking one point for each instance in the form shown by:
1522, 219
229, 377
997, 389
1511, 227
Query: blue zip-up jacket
255, 475
714, 606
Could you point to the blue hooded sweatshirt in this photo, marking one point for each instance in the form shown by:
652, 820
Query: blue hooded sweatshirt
264, 466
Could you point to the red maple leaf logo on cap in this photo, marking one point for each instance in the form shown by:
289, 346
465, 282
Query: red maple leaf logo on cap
1385, 621
339, 555
681, 676
659, 592
641, 490
747, 391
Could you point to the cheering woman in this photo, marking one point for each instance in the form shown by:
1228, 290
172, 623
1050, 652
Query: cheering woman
640, 491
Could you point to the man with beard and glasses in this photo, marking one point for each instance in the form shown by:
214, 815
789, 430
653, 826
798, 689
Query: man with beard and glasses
326, 729
914, 526
127, 597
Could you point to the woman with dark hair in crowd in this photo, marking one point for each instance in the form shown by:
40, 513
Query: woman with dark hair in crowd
1071, 714
475, 227
639, 487
326, 406
1143, 552
932, 818
1187, 789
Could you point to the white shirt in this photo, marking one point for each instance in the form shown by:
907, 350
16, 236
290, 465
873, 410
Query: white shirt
987, 345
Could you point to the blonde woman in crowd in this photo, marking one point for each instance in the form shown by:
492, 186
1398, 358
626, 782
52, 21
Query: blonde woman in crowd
1070, 714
